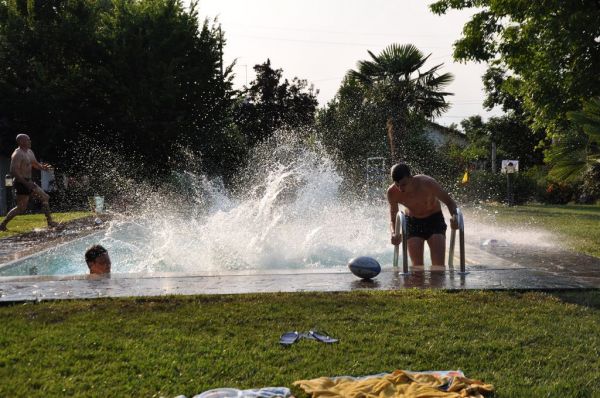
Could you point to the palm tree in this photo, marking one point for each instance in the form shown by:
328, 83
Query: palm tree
393, 80
574, 154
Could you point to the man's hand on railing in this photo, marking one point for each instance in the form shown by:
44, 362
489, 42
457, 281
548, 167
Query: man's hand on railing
454, 221
396, 239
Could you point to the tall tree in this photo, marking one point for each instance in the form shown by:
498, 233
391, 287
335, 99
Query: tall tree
49, 59
272, 102
351, 127
143, 77
549, 48
395, 82
478, 138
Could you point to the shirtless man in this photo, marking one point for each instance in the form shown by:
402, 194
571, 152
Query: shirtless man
21, 162
421, 196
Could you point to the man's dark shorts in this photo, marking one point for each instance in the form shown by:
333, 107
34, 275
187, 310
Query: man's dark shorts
425, 227
22, 189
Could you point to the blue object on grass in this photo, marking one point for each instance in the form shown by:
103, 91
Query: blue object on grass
289, 338
364, 267
322, 337
266, 392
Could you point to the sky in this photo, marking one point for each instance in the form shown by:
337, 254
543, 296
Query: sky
320, 40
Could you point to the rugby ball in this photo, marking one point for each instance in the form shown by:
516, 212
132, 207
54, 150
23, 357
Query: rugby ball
364, 267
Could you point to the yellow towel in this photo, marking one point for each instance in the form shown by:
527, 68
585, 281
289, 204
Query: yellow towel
399, 384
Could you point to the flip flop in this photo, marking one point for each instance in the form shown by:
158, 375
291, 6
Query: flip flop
289, 338
322, 337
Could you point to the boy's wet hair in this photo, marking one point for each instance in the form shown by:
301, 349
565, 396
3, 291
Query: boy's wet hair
94, 252
399, 171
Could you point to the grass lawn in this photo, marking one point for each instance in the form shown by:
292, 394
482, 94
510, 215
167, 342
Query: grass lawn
526, 344
28, 222
578, 225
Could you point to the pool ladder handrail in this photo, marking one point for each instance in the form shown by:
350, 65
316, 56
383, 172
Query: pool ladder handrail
401, 227
461, 238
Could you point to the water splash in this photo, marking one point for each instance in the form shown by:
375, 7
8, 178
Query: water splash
288, 212
484, 225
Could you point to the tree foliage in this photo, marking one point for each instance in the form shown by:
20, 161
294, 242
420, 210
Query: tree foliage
478, 138
578, 153
142, 77
512, 137
394, 83
550, 49
382, 108
353, 129
272, 102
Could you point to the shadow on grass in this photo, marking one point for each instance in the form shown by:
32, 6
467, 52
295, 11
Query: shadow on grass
585, 297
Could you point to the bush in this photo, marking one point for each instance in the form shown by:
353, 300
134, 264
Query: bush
550, 191
531, 185
488, 186
590, 189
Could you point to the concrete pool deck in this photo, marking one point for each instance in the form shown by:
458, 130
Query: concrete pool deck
547, 270
520, 267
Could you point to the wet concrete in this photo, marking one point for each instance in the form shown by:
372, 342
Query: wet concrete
35, 288
22, 245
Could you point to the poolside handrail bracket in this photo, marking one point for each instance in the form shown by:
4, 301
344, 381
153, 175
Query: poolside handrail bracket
401, 227
461, 238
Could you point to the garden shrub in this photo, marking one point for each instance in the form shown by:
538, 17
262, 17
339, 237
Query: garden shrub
590, 188
488, 186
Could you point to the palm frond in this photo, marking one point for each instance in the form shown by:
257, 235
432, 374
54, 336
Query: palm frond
568, 160
394, 76
588, 118
440, 80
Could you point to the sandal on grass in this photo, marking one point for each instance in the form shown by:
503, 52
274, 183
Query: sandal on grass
322, 337
289, 338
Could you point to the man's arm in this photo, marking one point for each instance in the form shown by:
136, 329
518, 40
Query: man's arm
37, 165
447, 200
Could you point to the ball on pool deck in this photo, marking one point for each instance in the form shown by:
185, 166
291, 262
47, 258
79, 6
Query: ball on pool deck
364, 267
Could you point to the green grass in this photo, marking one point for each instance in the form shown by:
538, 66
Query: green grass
526, 344
26, 223
577, 225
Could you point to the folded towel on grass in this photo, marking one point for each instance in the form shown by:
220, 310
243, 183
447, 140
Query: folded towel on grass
267, 392
399, 384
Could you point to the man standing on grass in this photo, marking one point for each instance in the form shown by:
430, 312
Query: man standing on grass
21, 162
421, 196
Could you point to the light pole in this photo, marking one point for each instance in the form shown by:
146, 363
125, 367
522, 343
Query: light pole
510, 171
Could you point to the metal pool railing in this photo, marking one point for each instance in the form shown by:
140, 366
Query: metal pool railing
401, 227
461, 238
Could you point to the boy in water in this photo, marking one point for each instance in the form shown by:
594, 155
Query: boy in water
97, 260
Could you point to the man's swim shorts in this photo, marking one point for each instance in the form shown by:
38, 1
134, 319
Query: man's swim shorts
425, 227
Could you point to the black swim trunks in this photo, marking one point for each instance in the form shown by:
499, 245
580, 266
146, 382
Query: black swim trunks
425, 227
22, 189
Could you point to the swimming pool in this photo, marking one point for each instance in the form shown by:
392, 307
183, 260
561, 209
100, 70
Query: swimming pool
214, 245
